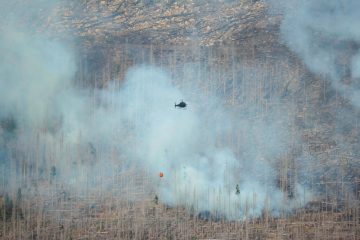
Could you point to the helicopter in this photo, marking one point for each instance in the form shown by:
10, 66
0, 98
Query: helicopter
182, 104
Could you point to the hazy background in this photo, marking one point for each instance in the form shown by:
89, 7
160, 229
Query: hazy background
83, 138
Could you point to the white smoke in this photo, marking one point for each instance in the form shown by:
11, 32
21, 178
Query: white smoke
33, 72
140, 122
325, 35
188, 146
79, 133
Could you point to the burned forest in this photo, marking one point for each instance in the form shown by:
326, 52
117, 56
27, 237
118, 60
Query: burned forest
179, 119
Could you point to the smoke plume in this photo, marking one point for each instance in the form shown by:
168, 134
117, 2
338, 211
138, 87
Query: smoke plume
325, 35
79, 137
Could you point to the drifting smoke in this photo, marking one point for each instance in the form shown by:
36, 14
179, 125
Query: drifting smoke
34, 72
325, 35
140, 122
184, 144
56, 124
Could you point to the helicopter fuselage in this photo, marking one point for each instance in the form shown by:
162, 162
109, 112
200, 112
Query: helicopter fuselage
181, 105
